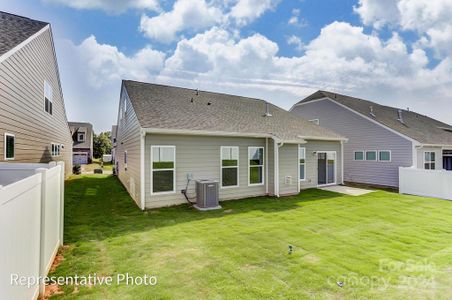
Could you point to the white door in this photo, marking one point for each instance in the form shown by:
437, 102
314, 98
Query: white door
80, 158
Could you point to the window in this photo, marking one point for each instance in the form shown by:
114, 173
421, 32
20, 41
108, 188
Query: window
256, 165
315, 121
371, 155
81, 137
56, 149
384, 155
229, 166
302, 162
358, 155
48, 97
429, 160
125, 160
163, 166
9, 146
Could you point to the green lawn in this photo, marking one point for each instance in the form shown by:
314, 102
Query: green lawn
382, 246
96, 164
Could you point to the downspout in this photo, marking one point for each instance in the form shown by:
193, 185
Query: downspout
342, 162
266, 166
277, 145
142, 171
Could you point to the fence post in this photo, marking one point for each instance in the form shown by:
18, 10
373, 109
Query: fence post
43, 172
61, 164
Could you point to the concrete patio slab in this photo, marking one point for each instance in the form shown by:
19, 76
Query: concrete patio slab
352, 191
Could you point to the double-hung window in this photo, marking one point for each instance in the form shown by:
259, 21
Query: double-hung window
229, 166
163, 167
48, 98
302, 162
256, 165
10, 146
429, 160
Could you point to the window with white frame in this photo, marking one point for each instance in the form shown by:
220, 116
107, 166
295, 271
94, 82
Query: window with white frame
10, 147
163, 167
429, 160
358, 155
256, 165
81, 137
384, 155
302, 162
371, 155
48, 98
229, 166
56, 149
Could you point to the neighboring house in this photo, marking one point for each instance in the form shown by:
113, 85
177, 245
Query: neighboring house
82, 136
33, 123
113, 142
167, 135
381, 138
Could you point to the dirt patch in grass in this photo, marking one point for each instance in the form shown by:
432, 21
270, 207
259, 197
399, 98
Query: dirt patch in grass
51, 290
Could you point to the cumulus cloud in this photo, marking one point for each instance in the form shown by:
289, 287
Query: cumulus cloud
246, 11
295, 41
430, 19
185, 15
296, 20
111, 6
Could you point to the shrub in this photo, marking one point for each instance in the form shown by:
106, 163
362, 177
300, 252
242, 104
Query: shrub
77, 169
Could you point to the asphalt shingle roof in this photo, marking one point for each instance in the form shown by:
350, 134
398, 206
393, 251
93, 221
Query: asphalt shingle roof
416, 126
169, 107
16, 29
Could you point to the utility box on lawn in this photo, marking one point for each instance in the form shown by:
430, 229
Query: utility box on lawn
207, 195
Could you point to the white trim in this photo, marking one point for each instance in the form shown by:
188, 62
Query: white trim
23, 44
376, 155
342, 162
335, 168
263, 166
275, 167
4, 146
364, 155
359, 114
414, 155
385, 161
84, 136
236, 167
173, 169
142, 171
305, 175
266, 169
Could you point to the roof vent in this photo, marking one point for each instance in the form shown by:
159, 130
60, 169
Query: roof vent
267, 110
372, 113
400, 116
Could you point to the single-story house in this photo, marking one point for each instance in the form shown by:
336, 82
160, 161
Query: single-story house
169, 135
380, 138
82, 147
33, 123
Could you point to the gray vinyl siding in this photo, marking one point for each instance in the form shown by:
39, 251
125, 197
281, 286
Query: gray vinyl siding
128, 139
200, 156
22, 111
312, 164
288, 169
363, 135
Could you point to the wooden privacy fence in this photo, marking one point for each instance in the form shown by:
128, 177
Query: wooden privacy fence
427, 183
31, 226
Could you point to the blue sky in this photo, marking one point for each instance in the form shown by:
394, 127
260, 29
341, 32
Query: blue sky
396, 52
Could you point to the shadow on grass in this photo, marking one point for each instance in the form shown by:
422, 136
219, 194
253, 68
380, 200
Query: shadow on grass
99, 207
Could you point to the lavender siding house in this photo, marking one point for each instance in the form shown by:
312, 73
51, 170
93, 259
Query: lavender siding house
380, 138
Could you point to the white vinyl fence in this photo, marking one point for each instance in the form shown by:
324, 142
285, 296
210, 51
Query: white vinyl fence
31, 225
428, 183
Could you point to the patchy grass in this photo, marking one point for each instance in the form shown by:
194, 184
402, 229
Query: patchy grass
381, 246
97, 165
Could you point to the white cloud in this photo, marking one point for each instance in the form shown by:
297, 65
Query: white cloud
296, 20
105, 64
246, 11
186, 14
430, 19
295, 41
111, 6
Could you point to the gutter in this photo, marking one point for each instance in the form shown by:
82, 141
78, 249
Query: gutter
142, 173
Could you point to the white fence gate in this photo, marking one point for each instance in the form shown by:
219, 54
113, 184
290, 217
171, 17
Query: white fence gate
428, 183
31, 225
